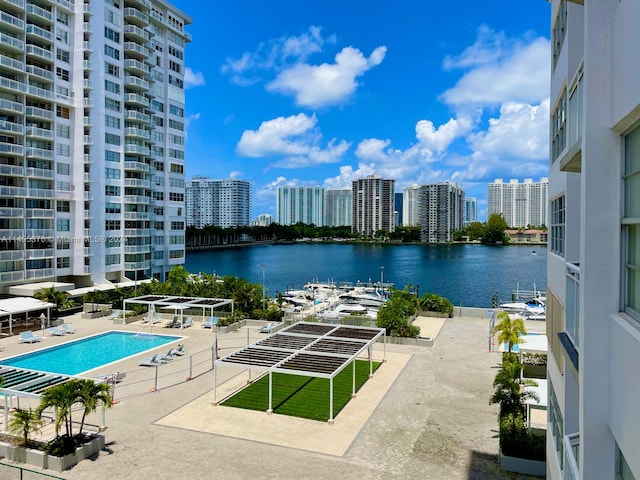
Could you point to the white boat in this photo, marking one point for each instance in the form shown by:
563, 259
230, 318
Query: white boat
366, 299
345, 309
533, 309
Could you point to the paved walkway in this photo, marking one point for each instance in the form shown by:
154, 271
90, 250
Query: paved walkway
431, 419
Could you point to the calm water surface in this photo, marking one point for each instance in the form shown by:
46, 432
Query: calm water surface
465, 274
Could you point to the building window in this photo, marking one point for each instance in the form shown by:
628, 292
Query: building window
63, 225
557, 225
112, 259
558, 128
63, 131
62, 262
63, 206
62, 112
559, 31
631, 224
111, 173
112, 69
62, 74
62, 55
112, 87
111, 104
111, 156
111, 35
111, 52
111, 139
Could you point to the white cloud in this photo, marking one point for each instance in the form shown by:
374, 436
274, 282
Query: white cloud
235, 174
501, 70
318, 86
294, 139
192, 79
347, 175
436, 141
275, 55
520, 132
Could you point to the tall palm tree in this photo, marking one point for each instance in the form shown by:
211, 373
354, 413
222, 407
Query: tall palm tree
90, 395
51, 295
509, 330
61, 397
510, 392
25, 422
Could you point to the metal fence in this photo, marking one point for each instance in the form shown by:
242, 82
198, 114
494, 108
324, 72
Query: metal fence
14, 472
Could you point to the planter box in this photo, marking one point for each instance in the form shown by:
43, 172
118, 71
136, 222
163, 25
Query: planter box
522, 465
434, 314
38, 458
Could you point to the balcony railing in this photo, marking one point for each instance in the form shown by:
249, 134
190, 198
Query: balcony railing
570, 468
572, 304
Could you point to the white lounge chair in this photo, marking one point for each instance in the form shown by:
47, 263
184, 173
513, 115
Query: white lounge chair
56, 332
180, 351
113, 377
210, 322
267, 328
67, 328
157, 359
187, 322
29, 337
114, 314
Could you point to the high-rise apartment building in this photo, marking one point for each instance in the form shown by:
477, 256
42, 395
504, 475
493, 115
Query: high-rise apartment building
411, 205
373, 205
593, 262
92, 140
520, 204
337, 208
300, 204
470, 210
219, 203
441, 211
263, 220
399, 206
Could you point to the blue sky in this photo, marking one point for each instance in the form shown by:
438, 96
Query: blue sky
304, 94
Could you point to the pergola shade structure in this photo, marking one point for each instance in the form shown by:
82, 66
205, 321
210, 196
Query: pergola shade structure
18, 306
157, 302
306, 349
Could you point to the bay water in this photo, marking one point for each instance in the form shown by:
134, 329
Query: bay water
466, 274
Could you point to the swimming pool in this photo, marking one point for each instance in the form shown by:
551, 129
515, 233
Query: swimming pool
88, 353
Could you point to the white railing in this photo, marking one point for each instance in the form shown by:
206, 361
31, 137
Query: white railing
572, 304
570, 468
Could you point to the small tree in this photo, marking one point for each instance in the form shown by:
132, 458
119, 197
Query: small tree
509, 330
24, 423
94, 297
90, 395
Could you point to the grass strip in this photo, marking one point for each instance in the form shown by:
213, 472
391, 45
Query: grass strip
301, 396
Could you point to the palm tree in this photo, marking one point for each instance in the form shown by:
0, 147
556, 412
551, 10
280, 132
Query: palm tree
94, 297
51, 295
24, 422
510, 393
61, 397
509, 330
90, 394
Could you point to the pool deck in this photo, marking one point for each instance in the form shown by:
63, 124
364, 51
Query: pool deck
424, 414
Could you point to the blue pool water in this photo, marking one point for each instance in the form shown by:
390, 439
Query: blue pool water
88, 353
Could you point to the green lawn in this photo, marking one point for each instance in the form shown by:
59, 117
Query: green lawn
305, 397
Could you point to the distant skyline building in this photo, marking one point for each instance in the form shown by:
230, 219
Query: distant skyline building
411, 205
263, 220
219, 203
300, 204
470, 210
373, 206
441, 211
520, 204
337, 208
399, 209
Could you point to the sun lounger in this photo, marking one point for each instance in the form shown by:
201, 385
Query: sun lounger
29, 337
152, 361
113, 377
167, 356
173, 323
67, 328
187, 323
180, 351
114, 314
56, 332
267, 328
210, 322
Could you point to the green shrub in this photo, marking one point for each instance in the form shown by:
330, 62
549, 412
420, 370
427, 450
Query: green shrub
431, 302
516, 441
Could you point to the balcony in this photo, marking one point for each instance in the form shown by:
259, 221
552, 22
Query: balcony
137, 265
39, 52
9, 42
571, 461
133, 82
133, 249
11, 213
40, 232
137, 232
136, 183
11, 63
33, 152
11, 149
37, 112
33, 11
136, 33
12, 22
12, 171
45, 253
136, 66
136, 166
14, 86
86, 46
9, 255
134, 149
136, 133
13, 191
39, 33
11, 277
135, 16
39, 273
10, 127
39, 173
15, 3
40, 92
134, 98
135, 116
42, 133
137, 199
39, 72
68, 6
38, 213
11, 107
